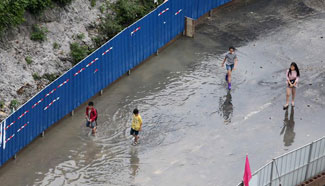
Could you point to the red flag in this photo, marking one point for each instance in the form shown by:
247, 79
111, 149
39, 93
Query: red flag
247, 173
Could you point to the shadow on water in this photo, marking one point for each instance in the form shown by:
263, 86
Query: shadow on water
226, 108
288, 128
134, 161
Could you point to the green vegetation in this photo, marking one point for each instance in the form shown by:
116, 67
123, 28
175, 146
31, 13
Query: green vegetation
125, 13
62, 2
56, 45
36, 76
78, 52
102, 8
2, 104
109, 27
13, 104
39, 33
28, 60
38, 6
51, 77
12, 11
92, 3
98, 41
81, 36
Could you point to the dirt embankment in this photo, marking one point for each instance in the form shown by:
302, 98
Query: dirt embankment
23, 61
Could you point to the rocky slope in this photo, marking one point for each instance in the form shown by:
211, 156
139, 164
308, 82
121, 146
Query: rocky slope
64, 25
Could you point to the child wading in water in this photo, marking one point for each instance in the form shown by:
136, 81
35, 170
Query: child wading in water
292, 81
136, 126
231, 64
91, 117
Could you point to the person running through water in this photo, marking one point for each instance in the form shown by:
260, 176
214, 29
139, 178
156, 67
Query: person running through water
292, 76
136, 126
231, 64
91, 117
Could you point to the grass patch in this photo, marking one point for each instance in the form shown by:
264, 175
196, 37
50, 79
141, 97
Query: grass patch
62, 2
38, 33
51, 77
2, 104
78, 52
102, 8
13, 104
56, 45
36, 76
80, 36
92, 3
28, 60
38, 6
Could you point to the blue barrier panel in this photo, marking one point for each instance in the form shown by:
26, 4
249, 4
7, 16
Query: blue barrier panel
203, 7
177, 17
162, 23
98, 70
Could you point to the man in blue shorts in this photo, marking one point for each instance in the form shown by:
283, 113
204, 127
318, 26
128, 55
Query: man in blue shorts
231, 64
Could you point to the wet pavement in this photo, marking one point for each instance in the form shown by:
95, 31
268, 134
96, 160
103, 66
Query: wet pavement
195, 131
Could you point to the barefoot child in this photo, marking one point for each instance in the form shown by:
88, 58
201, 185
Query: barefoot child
231, 64
136, 126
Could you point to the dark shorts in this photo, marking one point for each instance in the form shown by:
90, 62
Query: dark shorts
134, 132
91, 124
230, 67
292, 82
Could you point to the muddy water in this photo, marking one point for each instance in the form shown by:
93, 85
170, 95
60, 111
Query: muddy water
195, 131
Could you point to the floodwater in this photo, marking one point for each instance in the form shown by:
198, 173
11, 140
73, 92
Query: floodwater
196, 132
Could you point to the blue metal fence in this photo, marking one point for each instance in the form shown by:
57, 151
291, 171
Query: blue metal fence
122, 53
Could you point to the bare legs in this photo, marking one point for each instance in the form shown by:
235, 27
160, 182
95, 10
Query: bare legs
288, 93
136, 139
93, 130
293, 96
288, 96
229, 76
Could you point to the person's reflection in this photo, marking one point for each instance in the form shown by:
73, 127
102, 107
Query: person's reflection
226, 107
134, 161
288, 128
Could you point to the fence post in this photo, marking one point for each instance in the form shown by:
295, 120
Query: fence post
309, 157
271, 175
210, 13
189, 27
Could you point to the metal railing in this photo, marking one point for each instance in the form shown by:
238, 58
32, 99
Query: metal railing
293, 167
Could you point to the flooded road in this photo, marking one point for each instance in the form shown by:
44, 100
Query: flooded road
195, 131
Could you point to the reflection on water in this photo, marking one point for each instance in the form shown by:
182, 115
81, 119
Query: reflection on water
134, 161
226, 108
288, 128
